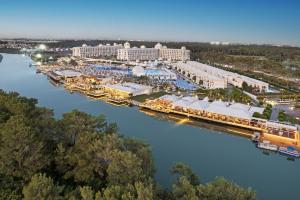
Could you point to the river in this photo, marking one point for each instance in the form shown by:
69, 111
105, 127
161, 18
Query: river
208, 149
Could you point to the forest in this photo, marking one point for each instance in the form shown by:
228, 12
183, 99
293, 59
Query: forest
80, 156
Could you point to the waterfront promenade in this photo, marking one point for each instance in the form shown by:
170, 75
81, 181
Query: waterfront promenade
278, 133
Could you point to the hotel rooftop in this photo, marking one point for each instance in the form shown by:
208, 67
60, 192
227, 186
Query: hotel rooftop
237, 110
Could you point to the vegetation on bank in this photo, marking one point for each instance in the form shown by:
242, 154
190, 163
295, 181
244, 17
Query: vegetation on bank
83, 157
9, 50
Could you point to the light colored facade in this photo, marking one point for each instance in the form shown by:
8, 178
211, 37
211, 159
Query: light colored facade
237, 110
96, 51
127, 89
140, 54
173, 54
158, 52
212, 77
156, 74
201, 77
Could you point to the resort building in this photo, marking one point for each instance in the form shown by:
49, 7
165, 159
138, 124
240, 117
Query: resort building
107, 71
281, 129
173, 54
96, 51
158, 52
154, 73
126, 53
235, 114
228, 109
127, 90
211, 77
138, 54
61, 75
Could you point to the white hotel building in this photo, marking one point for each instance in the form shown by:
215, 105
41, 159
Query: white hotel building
96, 51
212, 77
127, 53
173, 54
133, 54
158, 52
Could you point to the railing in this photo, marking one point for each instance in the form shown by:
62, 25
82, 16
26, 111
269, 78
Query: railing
252, 124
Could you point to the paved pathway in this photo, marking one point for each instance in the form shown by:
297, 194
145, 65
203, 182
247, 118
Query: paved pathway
275, 112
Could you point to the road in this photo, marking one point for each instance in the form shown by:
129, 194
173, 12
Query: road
275, 112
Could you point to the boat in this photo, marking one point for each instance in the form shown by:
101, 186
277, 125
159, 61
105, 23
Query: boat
54, 77
291, 151
267, 145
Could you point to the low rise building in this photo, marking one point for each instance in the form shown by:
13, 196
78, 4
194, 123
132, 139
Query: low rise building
154, 73
127, 90
211, 77
235, 110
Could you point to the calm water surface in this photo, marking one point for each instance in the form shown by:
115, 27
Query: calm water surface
210, 153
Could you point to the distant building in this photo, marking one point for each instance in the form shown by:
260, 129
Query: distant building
158, 52
173, 54
140, 54
96, 51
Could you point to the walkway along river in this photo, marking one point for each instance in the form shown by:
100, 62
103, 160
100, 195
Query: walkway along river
207, 148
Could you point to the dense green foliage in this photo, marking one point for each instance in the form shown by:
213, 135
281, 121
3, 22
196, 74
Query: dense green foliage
83, 157
282, 116
266, 113
9, 50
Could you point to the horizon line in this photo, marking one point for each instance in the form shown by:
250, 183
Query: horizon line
225, 43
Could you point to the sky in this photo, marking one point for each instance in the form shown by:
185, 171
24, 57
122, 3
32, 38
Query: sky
238, 21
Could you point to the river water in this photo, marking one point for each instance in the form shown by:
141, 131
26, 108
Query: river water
209, 150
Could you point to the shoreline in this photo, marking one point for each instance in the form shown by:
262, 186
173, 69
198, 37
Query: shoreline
206, 123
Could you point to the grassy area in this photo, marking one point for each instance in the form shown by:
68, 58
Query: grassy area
142, 98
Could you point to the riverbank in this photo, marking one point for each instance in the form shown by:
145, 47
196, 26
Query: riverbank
9, 50
231, 114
